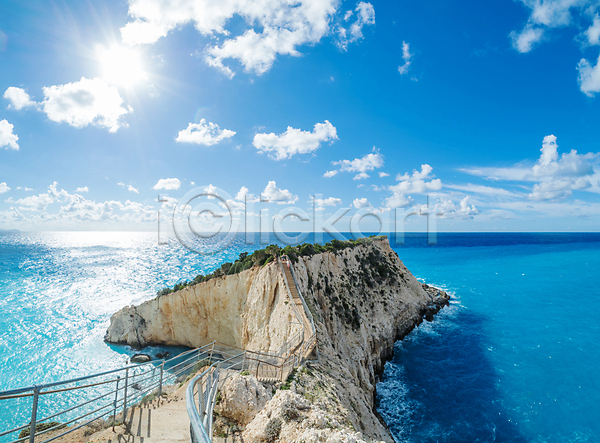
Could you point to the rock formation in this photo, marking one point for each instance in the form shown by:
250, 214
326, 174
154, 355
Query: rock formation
362, 298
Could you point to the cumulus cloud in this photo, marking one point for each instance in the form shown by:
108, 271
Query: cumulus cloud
546, 15
244, 194
360, 165
330, 201
86, 102
593, 32
589, 77
361, 203
525, 40
557, 175
363, 15
417, 182
74, 207
83, 189
128, 187
281, 196
169, 184
295, 141
18, 98
383, 174
398, 200
270, 28
446, 208
4, 188
406, 56
8, 139
204, 133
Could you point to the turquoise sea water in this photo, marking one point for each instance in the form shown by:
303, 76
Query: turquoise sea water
514, 359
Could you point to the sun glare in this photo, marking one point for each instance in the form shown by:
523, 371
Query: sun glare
120, 65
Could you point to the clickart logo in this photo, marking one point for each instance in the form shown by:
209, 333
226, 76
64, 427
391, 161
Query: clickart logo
208, 220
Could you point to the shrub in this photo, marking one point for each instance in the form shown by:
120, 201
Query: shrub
272, 430
42, 427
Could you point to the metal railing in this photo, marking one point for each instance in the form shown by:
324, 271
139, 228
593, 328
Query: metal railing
71, 404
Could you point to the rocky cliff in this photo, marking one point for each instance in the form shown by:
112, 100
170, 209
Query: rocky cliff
362, 298
248, 310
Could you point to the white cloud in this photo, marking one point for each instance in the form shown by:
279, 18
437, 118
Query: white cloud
556, 189
128, 187
84, 189
546, 15
86, 102
242, 193
557, 175
4, 188
8, 139
360, 165
417, 182
589, 77
465, 209
169, 184
383, 174
295, 141
271, 28
526, 39
398, 200
365, 15
18, 98
593, 32
74, 207
361, 203
446, 208
281, 196
204, 133
330, 201
406, 56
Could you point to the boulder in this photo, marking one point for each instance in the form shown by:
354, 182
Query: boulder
140, 358
242, 397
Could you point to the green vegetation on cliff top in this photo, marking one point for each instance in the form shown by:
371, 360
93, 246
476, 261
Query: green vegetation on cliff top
263, 256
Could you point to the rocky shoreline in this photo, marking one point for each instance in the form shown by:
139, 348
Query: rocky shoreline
363, 300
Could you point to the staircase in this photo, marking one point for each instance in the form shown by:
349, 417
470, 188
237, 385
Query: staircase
300, 308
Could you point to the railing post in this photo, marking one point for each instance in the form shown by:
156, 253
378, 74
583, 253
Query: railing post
200, 399
160, 383
36, 394
125, 395
257, 366
212, 348
244, 362
115, 403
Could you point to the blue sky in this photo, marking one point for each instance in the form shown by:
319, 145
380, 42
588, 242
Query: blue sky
371, 105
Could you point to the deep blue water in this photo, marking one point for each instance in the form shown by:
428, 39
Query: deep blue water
514, 359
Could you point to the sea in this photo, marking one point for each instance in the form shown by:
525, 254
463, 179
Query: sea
514, 358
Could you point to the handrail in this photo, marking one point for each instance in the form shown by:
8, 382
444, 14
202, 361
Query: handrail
133, 382
108, 393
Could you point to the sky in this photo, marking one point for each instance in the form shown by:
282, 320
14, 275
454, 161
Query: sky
484, 113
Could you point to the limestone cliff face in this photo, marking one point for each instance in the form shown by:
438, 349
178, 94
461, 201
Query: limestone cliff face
363, 299
248, 310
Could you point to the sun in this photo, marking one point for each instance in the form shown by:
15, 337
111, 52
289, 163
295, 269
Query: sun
120, 65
